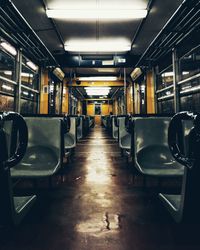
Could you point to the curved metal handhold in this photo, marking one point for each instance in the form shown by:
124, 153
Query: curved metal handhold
172, 136
21, 126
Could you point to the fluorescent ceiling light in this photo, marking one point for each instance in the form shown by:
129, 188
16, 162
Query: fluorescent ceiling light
32, 65
7, 72
24, 74
97, 88
98, 78
96, 94
97, 13
25, 92
107, 62
9, 48
102, 70
168, 74
97, 91
7, 87
109, 46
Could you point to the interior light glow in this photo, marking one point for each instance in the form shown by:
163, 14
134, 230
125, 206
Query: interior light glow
95, 94
7, 72
168, 74
107, 46
100, 92
7, 87
98, 78
97, 13
107, 62
32, 65
25, 93
9, 48
97, 88
24, 74
103, 70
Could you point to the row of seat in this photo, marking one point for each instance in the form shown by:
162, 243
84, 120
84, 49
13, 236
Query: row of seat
49, 140
146, 139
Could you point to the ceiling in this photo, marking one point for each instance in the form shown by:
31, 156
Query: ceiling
55, 33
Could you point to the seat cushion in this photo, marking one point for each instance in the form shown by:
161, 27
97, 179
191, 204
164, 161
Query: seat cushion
157, 160
38, 161
126, 141
69, 140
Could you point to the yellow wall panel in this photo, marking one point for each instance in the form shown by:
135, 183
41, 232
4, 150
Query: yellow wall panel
44, 93
150, 94
90, 109
65, 101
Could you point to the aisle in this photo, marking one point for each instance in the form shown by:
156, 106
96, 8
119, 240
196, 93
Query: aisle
97, 207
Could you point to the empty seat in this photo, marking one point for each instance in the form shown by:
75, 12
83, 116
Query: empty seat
115, 127
44, 152
185, 206
151, 154
70, 137
124, 135
12, 209
79, 121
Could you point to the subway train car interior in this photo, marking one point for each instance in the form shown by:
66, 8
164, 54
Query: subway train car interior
99, 125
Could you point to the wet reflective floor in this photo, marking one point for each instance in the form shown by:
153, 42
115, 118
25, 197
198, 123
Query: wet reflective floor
96, 206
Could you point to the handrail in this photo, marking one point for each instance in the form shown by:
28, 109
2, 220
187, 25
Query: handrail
192, 90
165, 97
189, 79
164, 89
8, 80
30, 89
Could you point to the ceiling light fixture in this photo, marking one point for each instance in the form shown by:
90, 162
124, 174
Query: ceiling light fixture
97, 91
109, 46
98, 78
97, 13
9, 48
32, 65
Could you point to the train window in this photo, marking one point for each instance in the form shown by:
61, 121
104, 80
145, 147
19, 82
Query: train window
29, 75
97, 109
28, 101
6, 88
165, 78
7, 65
6, 103
190, 65
166, 106
190, 81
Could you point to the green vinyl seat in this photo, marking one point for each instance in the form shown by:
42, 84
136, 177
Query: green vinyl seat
12, 208
151, 154
44, 151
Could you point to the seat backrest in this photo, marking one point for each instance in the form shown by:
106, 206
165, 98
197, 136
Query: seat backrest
150, 131
114, 127
73, 129
45, 132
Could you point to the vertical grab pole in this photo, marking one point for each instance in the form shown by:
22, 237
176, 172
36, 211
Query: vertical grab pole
19, 81
176, 77
125, 96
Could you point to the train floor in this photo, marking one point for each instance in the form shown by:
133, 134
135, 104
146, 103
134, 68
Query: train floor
96, 205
